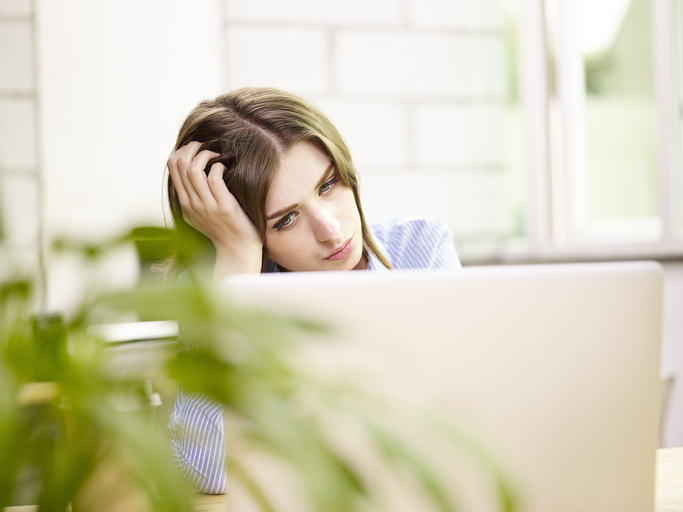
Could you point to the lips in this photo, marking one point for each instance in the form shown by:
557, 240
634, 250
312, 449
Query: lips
341, 251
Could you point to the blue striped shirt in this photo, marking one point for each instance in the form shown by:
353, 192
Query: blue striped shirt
414, 244
196, 426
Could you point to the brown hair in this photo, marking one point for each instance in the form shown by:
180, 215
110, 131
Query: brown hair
251, 128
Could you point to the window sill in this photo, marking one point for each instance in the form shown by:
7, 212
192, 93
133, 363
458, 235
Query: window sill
516, 254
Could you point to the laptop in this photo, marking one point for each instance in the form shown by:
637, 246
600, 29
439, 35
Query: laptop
554, 368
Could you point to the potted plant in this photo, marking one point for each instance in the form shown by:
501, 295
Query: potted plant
63, 429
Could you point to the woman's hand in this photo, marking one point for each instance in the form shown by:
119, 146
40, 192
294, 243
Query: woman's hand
210, 208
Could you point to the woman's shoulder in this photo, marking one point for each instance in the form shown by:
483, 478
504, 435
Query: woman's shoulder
394, 229
414, 242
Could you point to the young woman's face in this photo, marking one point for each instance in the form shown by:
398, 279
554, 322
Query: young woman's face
312, 219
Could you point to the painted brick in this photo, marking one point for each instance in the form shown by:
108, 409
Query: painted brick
329, 12
16, 56
490, 14
292, 59
458, 134
376, 132
19, 203
443, 13
17, 134
15, 7
469, 14
489, 73
472, 203
404, 64
113, 96
456, 14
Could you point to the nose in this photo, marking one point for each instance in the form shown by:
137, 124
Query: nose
325, 225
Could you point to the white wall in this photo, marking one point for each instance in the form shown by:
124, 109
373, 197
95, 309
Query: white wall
415, 86
18, 156
116, 80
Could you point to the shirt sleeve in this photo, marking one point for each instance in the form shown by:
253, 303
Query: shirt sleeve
443, 255
198, 441
419, 244
196, 432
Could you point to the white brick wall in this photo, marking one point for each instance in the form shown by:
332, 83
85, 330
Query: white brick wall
17, 134
15, 7
454, 135
456, 196
377, 132
20, 211
473, 15
329, 12
419, 64
19, 174
16, 51
292, 59
114, 94
114, 80
488, 69
414, 86
403, 64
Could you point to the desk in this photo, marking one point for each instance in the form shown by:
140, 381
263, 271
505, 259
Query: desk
669, 486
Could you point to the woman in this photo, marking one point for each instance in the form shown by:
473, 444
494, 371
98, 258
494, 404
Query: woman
264, 182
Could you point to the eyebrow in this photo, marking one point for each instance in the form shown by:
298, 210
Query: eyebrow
325, 175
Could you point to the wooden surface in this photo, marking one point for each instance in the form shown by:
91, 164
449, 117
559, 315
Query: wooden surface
210, 503
669, 487
668, 497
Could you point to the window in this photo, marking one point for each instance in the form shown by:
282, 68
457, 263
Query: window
595, 92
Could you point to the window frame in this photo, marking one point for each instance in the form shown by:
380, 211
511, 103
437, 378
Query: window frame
556, 224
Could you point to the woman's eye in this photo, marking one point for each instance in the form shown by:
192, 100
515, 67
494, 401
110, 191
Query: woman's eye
285, 221
328, 185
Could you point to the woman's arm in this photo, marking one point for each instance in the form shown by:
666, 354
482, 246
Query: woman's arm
196, 426
210, 208
198, 442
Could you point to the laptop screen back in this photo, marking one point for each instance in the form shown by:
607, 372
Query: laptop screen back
554, 367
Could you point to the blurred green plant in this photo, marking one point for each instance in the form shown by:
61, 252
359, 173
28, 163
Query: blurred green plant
59, 422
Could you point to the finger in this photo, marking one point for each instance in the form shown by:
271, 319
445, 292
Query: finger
190, 165
184, 158
219, 190
196, 182
177, 183
177, 166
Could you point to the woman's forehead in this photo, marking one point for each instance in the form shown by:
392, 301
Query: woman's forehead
300, 170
